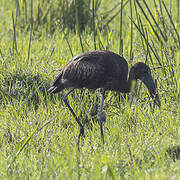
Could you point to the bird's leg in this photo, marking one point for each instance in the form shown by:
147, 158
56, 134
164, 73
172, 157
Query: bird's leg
65, 99
100, 115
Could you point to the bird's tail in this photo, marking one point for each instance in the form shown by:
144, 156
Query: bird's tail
54, 89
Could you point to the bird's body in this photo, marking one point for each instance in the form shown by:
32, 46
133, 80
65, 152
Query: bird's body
101, 69
92, 70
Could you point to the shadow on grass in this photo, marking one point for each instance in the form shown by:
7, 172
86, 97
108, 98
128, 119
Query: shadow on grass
31, 88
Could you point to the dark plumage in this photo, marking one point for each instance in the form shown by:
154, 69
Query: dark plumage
102, 69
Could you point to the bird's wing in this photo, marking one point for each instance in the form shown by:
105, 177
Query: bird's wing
98, 69
86, 71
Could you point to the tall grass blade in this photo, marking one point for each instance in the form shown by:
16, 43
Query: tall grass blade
172, 23
163, 35
170, 7
100, 39
76, 4
178, 75
65, 36
14, 34
178, 11
93, 24
146, 17
138, 25
23, 146
141, 27
170, 66
147, 53
161, 17
141, 31
142, 34
116, 14
48, 122
120, 31
111, 10
131, 46
25, 11
14, 27
2, 61
82, 47
30, 34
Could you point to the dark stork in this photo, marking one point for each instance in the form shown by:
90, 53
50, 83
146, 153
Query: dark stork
101, 69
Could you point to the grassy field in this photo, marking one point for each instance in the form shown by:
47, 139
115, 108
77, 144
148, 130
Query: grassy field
38, 135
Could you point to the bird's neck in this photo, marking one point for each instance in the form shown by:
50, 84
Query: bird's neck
126, 86
129, 81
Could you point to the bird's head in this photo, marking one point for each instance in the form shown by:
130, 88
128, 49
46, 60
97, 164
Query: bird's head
142, 71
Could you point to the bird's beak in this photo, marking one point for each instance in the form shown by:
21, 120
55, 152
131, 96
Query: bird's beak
155, 97
152, 88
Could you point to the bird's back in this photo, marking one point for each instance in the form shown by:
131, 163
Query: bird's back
94, 69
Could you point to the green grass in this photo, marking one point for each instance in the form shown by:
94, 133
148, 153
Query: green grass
38, 135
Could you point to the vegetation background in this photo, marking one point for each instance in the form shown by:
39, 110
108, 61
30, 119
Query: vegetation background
38, 135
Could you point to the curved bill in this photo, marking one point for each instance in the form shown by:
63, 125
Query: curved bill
152, 88
155, 97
